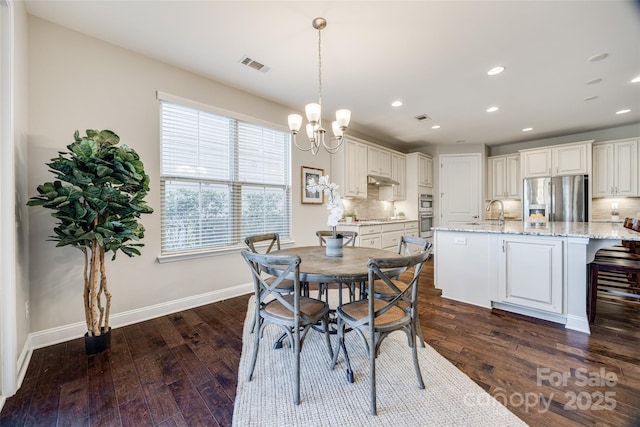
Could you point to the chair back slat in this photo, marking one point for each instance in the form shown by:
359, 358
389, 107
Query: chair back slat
273, 240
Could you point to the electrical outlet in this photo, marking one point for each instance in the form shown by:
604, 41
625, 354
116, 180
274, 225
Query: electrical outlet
26, 310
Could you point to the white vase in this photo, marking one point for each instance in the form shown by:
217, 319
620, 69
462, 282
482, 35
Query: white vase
334, 246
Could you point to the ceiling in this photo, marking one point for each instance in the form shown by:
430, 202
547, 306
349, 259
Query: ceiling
433, 55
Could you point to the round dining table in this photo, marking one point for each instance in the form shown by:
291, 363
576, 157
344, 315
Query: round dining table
351, 267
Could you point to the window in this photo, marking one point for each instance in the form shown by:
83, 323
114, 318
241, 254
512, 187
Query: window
222, 179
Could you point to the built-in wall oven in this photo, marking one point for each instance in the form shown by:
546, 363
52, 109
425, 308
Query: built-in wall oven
425, 215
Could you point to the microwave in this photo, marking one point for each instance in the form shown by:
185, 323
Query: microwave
425, 203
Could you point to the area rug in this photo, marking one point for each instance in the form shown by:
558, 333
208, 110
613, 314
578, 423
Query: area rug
450, 398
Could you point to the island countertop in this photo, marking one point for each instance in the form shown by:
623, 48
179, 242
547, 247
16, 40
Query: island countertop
592, 230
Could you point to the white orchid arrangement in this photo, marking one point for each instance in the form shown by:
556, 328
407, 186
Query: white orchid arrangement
334, 204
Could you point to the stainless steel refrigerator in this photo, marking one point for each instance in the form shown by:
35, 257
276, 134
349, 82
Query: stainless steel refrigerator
558, 198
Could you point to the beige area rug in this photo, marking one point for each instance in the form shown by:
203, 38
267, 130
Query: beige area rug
450, 398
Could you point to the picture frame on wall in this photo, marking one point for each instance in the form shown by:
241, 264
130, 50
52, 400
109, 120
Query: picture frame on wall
309, 197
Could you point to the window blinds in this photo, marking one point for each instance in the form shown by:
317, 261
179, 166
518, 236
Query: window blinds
222, 179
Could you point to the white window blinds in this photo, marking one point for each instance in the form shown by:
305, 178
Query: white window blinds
222, 179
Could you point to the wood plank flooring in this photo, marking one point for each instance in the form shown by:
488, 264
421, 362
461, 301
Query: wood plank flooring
181, 369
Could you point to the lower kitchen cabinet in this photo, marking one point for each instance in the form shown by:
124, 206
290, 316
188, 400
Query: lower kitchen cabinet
530, 273
384, 235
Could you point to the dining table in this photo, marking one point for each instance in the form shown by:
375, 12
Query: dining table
348, 269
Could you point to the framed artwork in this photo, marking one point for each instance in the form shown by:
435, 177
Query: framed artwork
310, 197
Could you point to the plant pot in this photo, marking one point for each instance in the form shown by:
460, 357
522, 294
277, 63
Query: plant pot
97, 344
334, 246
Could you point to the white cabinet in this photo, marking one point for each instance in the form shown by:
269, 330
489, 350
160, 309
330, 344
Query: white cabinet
349, 168
565, 159
379, 162
425, 170
530, 272
615, 168
411, 229
398, 173
504, 177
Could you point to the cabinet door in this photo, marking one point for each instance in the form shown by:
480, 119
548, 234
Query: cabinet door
602, 170
536, 163
379, 162
626, 169
530, 273
513, 183
355, 177
570, 160
498, 171
429, 172
371, 242
422, 170
398, 172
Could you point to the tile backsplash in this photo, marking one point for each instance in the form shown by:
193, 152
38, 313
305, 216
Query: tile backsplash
627, 207
370, 207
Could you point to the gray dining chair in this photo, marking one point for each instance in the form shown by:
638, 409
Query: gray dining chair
408, 245
265, 243
293, 313
348, 239
373, 319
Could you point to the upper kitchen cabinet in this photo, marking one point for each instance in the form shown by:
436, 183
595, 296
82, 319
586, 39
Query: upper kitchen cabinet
349, 168
504, 177
379, 162
615, 168
419, 170
398, 173
565, 159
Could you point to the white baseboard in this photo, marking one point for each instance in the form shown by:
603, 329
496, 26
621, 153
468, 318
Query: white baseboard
580, 324
531, 312
76, 330
24, 360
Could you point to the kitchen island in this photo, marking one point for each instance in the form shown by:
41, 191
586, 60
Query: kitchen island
536, 270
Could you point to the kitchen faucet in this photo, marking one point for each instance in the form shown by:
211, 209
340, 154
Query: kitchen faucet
501, 216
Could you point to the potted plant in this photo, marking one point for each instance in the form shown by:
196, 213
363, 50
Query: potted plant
97, 198
350, 215
336, 210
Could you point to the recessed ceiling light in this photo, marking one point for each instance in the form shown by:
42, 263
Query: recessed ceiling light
495, 70
435, 127
594, 81
527, 129
397, 103
492, 109
460, 141
591, 98
598, 57
636, 80
625, 111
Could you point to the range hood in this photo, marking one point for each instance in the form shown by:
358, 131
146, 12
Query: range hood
381, 180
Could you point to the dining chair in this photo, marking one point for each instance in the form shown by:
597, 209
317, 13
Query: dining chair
348, 239
375, 318
408, 245
266, 243
292, 312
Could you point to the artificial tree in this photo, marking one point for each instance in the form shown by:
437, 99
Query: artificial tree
97, 210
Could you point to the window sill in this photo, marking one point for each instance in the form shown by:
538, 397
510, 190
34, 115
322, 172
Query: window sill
162, 259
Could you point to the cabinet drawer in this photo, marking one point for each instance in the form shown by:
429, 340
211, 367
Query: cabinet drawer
391, 239
396, 226
410, 227
370, 242
370, 229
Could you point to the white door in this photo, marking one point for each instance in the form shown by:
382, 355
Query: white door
460, 187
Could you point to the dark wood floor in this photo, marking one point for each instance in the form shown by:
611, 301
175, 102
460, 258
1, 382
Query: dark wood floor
181, 369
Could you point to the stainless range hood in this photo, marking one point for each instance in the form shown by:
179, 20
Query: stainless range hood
381, 180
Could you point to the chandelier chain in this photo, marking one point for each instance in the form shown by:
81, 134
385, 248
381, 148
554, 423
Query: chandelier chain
320, 67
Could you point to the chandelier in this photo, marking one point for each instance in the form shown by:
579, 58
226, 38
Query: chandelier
313, 111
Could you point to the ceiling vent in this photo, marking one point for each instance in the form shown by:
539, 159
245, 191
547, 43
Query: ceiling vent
254, 64
422, 118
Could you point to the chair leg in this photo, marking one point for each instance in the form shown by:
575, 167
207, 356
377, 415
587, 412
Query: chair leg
418, 329
416, 365
340, 334
325, 324
372, 373
296, 386
256, 345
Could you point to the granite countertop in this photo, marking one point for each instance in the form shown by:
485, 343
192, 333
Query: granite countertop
593, 230
377, 221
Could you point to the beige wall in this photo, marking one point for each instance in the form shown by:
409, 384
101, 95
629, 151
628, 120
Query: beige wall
77, 82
